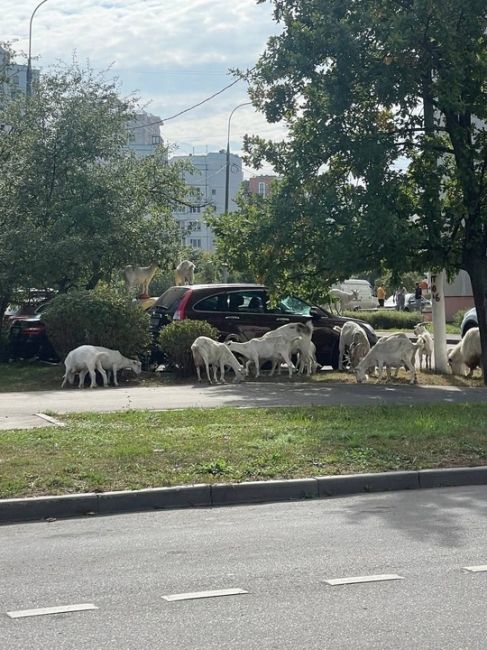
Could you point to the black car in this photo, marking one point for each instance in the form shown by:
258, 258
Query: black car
243, 311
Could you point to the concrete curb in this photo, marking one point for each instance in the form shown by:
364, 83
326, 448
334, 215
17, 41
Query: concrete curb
76, 505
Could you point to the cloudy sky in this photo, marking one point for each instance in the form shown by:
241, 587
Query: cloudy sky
173, 54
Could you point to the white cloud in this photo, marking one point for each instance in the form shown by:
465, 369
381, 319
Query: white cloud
174, 53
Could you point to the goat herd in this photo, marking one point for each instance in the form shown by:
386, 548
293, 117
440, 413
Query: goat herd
280, 346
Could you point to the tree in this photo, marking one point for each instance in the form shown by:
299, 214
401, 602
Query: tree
77, 205
386, 159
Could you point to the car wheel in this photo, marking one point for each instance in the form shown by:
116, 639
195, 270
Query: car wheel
406, 308
468, 326
232, 337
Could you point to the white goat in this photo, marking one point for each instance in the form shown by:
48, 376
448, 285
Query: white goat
343, 298
301, 333
425, 345
306, 351
347, 332
140, 276
359, 348
257, 350
467, 354
113, 361
185, 273
83, 360
392, 351
207, 352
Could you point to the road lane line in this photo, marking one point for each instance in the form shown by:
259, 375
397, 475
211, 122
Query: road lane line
205, 594
359, 579
476, 569
23, 613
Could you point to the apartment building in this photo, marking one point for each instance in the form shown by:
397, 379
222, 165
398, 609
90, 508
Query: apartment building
207, 180
144, 134
13, 76
261, 184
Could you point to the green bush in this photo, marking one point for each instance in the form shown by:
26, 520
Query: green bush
458, 317
98, 317
385, 319
175, 342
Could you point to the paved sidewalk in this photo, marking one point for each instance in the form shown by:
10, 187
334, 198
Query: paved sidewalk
18, 410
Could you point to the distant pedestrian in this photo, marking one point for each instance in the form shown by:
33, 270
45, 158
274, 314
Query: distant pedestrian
381, 294
418, 294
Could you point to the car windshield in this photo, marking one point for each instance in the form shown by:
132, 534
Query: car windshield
293, 305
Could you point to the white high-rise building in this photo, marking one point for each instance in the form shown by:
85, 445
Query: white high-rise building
13, 76
144, 134
208, 179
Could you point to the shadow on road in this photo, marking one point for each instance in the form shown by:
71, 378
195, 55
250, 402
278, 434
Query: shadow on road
431, 517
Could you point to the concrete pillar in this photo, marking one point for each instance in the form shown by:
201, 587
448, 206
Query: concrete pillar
437, 286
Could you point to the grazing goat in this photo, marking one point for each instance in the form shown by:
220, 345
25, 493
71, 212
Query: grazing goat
306, 351
83, 360
185, 273
467, 354
275, 348
140, 276
303, 346
291, 330
347, 332
425, 345
359, 348
113, 361
207, 352
392, 351
343, 298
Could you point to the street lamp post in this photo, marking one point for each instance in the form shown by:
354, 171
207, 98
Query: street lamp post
28, 89
227, 166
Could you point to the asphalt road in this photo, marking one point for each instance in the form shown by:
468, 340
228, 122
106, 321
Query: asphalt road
281, 554
18, 410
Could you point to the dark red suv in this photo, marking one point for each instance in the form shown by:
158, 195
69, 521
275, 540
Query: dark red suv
242, 312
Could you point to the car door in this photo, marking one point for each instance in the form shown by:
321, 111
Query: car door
248, 311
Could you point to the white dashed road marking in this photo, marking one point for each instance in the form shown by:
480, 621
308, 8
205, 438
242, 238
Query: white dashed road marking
23, 613
476, 569
205, 594
358, 579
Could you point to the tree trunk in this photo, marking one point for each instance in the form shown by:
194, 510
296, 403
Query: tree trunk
4, 302
478, 276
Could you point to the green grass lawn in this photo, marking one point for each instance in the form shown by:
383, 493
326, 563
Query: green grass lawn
138, 449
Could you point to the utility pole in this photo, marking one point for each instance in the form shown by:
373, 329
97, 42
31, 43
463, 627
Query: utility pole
28, 88
436, 279
227, 163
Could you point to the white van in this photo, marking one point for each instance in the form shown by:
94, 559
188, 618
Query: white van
366, 298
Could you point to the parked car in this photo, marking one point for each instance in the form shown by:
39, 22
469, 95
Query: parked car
409, 303
469, 320
243, 311
27, 338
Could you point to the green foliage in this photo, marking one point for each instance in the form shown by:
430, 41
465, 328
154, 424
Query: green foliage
385, 319
458, 317
383, 165
99, 317
175, 342
77, 205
